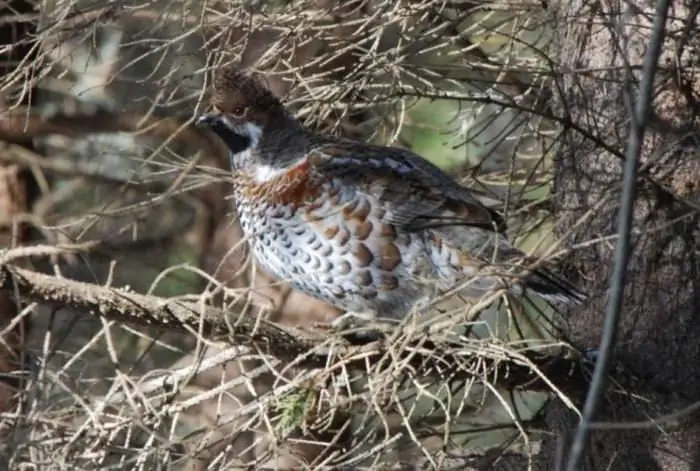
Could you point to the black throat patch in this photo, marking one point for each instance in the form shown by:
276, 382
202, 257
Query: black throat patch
234, 141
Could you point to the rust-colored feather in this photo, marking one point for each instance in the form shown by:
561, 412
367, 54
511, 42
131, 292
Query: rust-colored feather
292, 187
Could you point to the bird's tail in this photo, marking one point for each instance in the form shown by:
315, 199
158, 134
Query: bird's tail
553, 287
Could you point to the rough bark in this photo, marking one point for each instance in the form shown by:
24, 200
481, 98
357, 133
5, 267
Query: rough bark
659, 333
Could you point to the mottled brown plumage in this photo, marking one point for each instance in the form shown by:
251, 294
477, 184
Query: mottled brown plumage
360, 226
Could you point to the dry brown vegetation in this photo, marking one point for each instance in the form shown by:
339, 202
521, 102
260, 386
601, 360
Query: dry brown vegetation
137, 333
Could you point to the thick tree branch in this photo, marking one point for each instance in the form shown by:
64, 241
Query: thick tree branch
124, 306
512, 370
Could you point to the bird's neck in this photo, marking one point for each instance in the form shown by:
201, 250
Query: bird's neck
281, 149
283, 142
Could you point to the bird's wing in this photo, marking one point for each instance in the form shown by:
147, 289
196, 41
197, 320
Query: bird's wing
416, 194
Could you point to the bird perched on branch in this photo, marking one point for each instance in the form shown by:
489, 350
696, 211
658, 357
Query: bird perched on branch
376, 231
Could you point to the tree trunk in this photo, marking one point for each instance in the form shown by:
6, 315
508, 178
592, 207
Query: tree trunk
603, 44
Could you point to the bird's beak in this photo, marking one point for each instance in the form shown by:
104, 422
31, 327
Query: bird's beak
209, 120
217, 123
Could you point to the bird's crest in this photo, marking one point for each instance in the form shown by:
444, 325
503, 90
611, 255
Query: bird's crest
234, 88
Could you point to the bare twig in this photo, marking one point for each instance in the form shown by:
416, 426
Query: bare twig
640, 115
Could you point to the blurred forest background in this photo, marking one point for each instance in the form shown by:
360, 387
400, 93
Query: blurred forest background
104, 180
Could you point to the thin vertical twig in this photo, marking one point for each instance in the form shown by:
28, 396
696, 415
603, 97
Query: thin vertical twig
634, 144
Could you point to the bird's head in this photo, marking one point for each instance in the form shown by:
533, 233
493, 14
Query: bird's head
250, 120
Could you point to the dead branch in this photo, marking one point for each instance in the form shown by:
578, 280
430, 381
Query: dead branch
124, 306
513, 370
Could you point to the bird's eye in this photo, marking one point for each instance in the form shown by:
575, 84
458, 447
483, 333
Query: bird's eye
239, 111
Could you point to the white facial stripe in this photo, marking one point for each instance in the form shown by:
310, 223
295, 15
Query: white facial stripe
228, 122
254, 132
249, 129
240, 159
